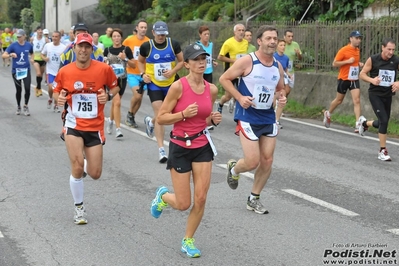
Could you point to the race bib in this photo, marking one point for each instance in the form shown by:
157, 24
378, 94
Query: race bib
136, 52
238, 56
119, 70
208, 62
161, 68
353, 73
387, 77
290, 66
21, 73
54, 58
84, 105
8, 39
263, 97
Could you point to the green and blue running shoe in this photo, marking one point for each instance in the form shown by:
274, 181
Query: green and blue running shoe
157, 204
187, 246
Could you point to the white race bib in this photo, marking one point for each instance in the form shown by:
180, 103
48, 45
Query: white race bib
54, 58
353, 73
263, 97
136, 52
118, 69
21, 73
387, 77
84, 105
161, 68
290, 66
208, 62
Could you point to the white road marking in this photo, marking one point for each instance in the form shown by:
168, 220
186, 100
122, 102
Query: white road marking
394, 231
1, 235
320, 202
336, 130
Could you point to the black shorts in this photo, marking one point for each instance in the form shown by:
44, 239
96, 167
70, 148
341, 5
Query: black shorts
122, 85
208, 77
41, 62
157, 95
90, 138
344, 85
181, 158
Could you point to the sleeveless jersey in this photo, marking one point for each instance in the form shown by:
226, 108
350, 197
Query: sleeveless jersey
159, 61
261, 84
134, 43
209, 50
38, 47
386, 70
195, 124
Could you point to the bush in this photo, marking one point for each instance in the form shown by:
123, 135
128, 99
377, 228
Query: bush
6, 25
214, 12
203, 9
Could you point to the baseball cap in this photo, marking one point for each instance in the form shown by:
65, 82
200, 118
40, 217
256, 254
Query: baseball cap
84, 37
193, 51
20, 33
160, 28
45, 31
80, 26
355, 33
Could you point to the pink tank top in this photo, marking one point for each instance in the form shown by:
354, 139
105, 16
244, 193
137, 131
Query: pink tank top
195, 124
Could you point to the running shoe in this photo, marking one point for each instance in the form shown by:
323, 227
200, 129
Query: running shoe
56, 109
80, 214
157, 204
162, 156
148, 129
232, 181
231, 105
26, 111
256, 206
383, 155
18, 112
118, 132
49, 103
188, 247
361, 127
327, 119
109, 125
130, 120
220, 108
38, 92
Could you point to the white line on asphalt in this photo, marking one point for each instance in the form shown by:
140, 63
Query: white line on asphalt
1, 235
394, 231
320, 202
337, 130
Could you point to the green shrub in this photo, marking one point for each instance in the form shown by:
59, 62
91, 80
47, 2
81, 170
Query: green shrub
6, 25
203, 9
214, 13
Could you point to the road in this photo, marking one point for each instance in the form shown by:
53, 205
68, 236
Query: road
328, 194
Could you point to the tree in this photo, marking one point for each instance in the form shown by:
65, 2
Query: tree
3, 11
27, 18
37, 7
122, 11
15, 8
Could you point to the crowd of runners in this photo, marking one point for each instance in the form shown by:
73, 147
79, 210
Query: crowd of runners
84, 71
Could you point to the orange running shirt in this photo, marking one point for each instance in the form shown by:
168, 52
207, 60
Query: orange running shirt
348, 71
85, 113
134, 43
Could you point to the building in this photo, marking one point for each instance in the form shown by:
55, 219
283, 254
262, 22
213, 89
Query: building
62, 14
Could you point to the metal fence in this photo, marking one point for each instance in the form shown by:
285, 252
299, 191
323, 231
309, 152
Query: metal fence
319, 41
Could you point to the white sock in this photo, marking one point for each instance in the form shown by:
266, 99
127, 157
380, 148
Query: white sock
251, 197
233, 172
76, 186
85, 165
151, 124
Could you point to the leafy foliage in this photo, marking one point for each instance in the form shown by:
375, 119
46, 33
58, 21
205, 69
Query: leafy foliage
15, 8
122, 11
27, 18
3, 11
37, 7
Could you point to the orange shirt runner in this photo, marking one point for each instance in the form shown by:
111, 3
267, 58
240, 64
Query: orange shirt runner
85, 113
134, 43
349, 71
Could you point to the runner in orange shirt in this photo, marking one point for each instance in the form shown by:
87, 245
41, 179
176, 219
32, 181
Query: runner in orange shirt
81, 84
348, 61
134, 77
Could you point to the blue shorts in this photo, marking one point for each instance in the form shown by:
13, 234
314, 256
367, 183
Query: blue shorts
254, 132
50, 78
134, 80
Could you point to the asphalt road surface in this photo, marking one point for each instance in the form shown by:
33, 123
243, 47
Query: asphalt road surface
330, 198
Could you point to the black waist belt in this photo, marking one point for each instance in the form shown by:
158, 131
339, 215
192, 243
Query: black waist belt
187, 138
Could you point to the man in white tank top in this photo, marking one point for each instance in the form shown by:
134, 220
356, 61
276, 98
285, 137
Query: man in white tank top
39, 64
262, 79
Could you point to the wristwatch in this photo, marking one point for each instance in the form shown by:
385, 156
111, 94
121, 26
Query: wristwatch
110, 96
126, 59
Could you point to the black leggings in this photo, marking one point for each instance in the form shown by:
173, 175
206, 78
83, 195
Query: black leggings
18, 85
382, 109
122, 85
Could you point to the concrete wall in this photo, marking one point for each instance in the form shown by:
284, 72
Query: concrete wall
318, 89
